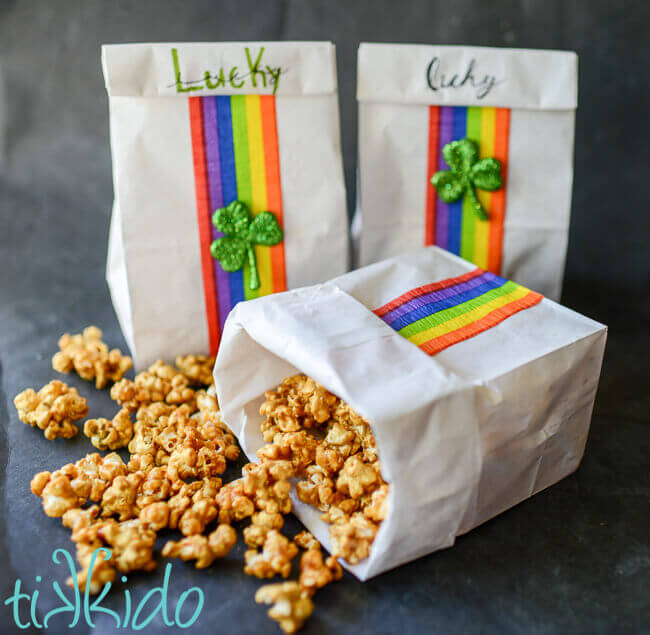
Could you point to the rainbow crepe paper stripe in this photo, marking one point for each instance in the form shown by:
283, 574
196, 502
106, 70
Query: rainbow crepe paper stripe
454, 226
235, 155
436, 316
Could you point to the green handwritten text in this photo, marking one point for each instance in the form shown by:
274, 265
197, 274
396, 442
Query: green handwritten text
254, 75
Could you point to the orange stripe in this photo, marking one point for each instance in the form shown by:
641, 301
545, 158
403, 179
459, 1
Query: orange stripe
434, 346
273, 186
427, 288
432, 167
498, 197
203, 217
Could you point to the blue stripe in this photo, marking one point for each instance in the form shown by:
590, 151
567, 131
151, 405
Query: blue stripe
229, 182
456, 209
434, 307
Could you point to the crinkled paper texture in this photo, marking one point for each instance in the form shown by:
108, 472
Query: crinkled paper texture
462, 436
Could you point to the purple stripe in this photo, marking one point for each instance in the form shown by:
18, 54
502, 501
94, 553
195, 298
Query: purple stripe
441, 294
442, 209
216, 198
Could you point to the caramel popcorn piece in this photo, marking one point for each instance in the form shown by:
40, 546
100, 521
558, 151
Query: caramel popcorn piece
39, 481
90, 358
320, 401
52, 409
317, 489
351, 540
206, 401
155, 515
267, 484
212, 428
316, 573
298, 447
119, 499
297, 403
106, 434
222, 540
208, 490
305, 540
292, 605
195, 458
356, 477
194, 520
274, 559
195, 547
204, 549
233, 503
180, 501
261, 524
103, 569
377, 507
93, 474
154, 487
335, 515
131, 543
179, 392
197, 368
57, 493
80, 519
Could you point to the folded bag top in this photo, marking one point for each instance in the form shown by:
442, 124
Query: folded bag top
479, 391
470, 149
218, 196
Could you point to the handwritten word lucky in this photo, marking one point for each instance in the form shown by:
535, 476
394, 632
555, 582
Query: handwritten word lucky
135, 616
254, 75
437, 80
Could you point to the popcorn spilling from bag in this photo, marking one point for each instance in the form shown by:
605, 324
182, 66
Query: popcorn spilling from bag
178, 448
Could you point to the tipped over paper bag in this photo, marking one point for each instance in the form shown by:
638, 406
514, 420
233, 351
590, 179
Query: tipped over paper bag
479, 391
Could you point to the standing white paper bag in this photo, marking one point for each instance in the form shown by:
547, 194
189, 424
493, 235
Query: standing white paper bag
518, 106
498, 411
194, 128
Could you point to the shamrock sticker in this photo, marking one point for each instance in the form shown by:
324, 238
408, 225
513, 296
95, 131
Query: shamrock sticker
241, 234
467, 172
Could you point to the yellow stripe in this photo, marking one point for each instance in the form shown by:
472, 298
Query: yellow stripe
467, 318
259, 202
486, 149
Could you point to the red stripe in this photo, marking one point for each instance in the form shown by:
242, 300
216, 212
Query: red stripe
273, 186
432, 167
203, 217
427, 288
434, 346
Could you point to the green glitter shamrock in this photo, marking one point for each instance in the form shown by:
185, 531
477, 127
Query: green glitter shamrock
467, 172
241, 234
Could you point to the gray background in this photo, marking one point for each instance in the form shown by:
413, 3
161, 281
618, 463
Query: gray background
576, 558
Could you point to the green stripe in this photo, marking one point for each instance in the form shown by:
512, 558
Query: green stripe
468, 218
242, 169
449, 314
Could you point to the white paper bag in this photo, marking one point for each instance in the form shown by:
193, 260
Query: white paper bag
500, 413
195, 127
518, 106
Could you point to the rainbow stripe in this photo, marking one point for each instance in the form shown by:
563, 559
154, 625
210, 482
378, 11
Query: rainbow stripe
438, 315
235, 155
454, 226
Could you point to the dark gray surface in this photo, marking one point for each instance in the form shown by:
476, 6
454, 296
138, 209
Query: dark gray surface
576, 558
